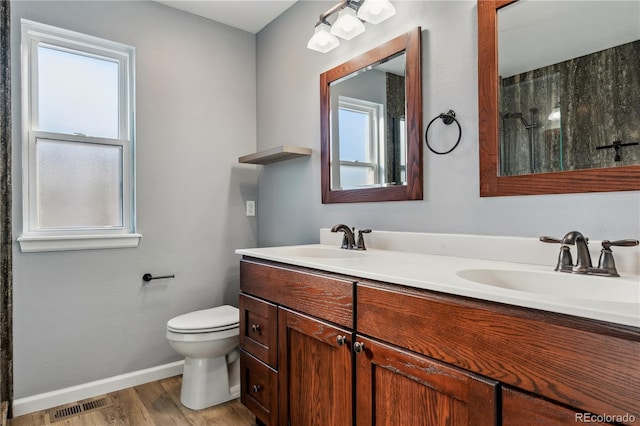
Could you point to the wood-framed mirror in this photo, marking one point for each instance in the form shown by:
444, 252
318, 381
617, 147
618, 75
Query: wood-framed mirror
493, 180
371, 150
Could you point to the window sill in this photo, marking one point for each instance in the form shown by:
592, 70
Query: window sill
29, 244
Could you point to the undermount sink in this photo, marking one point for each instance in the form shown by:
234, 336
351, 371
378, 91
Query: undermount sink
559, 284
319, 252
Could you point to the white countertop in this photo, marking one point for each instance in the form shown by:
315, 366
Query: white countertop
440, 273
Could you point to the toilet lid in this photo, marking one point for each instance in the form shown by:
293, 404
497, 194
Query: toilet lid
207, 320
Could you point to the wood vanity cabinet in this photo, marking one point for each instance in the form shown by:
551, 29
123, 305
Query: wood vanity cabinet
337, 350
303, 355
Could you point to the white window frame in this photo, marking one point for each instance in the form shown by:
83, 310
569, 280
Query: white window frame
33, 239
375, 112
403, 149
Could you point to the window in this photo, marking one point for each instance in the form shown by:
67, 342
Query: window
78, 141
361, 162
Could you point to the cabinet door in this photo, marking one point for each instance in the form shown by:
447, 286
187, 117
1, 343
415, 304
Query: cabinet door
522, 409
315, 371
396, 387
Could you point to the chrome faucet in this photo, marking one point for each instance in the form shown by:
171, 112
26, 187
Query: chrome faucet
348, 241
606, 264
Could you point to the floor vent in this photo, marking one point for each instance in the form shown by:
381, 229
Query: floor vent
69, 410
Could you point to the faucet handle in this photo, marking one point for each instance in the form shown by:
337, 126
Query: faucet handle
551, 240
620, 243
360, 245
606, 264
565, 261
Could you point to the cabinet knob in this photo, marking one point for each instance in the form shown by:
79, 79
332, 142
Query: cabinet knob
358, 347
255, 328
256, 388
341, 340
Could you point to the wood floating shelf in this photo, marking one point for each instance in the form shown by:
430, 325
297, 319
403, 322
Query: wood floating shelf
273, 155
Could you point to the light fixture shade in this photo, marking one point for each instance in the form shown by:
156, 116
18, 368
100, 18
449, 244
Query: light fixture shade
376, 11
347, 26
322, 40
555, 114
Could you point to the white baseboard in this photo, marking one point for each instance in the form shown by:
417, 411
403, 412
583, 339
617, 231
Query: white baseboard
51, 399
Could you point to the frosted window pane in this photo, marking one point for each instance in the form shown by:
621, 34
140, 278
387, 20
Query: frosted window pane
78, 185
354, 135
77, 94
355, 176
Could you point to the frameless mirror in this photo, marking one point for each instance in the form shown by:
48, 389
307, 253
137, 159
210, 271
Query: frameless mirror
559, 96
371, 109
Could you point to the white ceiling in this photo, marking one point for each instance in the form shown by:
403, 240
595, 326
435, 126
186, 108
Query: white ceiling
247, 15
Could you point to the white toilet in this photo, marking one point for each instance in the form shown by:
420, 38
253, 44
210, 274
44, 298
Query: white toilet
208, 339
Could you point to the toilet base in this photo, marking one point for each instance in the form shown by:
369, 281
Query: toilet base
208, 382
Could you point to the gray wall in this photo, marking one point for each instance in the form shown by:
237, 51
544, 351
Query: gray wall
290, 209
85, 315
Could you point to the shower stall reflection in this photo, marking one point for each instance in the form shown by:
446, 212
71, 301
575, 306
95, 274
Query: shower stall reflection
530, 130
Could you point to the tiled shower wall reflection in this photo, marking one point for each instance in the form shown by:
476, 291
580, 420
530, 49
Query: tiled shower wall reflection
599, 100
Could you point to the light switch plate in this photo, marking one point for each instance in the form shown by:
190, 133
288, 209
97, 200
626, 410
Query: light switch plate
251, 208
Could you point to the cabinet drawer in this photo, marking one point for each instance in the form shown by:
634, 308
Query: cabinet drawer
259, 389
321, 296
258, 329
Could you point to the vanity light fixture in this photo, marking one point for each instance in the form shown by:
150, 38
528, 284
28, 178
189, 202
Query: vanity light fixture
376, 11
322, 40
347, 26
349, 23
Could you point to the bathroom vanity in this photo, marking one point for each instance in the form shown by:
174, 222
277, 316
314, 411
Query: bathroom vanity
323, 347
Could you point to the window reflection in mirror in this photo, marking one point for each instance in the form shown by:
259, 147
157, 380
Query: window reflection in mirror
368, 126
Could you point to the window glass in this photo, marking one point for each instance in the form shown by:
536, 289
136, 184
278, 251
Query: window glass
354, 135
78, 184
355, 176
77, 94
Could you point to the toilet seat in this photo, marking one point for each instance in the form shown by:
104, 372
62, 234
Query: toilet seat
211, 320
203, 336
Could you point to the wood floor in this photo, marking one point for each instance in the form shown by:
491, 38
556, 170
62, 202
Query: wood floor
153, 404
